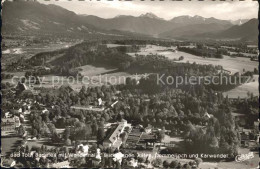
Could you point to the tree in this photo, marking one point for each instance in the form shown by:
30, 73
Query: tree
181, 58
186, 166
198, 161
66, 133
100, 134
68, 142
173, 164
166, 164
21, 130
94, 127
157, 162
140, 159
123, 136
214, 142
160, 135
34, 133
27, 149
119, 117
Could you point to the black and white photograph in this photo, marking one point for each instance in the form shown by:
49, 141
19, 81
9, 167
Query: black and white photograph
130, 84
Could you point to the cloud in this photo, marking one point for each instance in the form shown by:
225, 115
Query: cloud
227, 10
235, 10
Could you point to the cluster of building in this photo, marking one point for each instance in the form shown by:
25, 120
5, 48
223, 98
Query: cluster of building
9, 125
136, 137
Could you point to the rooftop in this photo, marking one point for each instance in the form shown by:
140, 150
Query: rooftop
117, 130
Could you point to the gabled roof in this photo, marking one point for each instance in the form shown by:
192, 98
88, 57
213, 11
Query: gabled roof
115, 133
10, 120
147, 137
60, 164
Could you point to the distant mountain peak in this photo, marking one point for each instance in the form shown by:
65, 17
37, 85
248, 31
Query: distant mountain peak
83, 14
150, 15
197, 16
121, 16
239, 21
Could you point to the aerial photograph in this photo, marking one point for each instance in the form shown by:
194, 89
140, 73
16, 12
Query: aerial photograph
130, 84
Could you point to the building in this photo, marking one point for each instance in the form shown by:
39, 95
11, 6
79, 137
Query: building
9, 125
113, 139
148, 129
208, 115
256, 125
147, 141
8, 163
89, 108
133, 138
83, 149
63, 164
245, 138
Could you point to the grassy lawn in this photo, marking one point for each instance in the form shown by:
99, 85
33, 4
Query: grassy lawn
9, 144
247, 164
168, 139
243, 89
39, 143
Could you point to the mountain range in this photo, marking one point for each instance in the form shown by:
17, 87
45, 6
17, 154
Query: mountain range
152, 25
34, 17
247, 31
29, 17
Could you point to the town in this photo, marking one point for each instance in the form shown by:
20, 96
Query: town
93, 84
118, 127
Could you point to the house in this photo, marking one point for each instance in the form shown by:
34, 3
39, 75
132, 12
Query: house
99, 101
8, 125
147, 140
63, 164
244, 138
256, 125
148, 129
208, 115
132, 163
8, 163
83, 149
114, 135
17, 122
7, 115
118, 157
112, 105
45, 111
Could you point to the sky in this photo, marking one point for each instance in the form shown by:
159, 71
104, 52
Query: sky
226, 10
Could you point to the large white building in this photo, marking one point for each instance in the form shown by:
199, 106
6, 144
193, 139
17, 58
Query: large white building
113, 139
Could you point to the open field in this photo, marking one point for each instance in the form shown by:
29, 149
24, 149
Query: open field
40, 142
111, 45
229, 63
247, 164
14, 53
242, 91
9, 144
93, 76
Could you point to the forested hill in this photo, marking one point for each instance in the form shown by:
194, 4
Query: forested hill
246, 32
33, 18
97, 53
